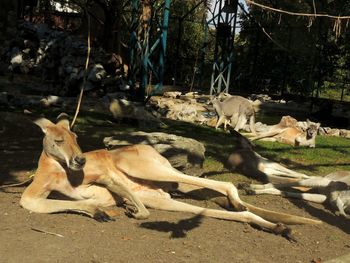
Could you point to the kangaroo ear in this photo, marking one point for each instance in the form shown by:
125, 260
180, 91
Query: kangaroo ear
43, 124
62, 120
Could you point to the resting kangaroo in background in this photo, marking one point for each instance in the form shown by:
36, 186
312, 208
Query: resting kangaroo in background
248, 162
333, 189
136, 173
236, 111
288, 132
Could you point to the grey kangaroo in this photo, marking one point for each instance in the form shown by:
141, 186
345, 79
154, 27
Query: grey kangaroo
235, 111
333, 189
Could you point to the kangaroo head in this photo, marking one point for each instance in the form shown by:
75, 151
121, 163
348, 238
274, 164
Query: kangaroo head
343, 203
60, 143
312, 129
213, 100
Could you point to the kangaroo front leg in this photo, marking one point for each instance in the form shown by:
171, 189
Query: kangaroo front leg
310, 182
117, 185
41, 205
34, 198
316, 198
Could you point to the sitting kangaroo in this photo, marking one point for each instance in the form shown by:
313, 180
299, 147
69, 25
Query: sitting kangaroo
235, 111
333, 189
138, 173
287, 131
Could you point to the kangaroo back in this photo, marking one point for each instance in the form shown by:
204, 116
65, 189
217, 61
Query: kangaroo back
341, 176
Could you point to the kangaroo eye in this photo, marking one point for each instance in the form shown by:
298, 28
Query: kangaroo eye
59, 141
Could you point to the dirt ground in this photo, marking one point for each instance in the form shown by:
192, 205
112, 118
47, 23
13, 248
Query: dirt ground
164, 237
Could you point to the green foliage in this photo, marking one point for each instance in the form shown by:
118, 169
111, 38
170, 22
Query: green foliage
299, 54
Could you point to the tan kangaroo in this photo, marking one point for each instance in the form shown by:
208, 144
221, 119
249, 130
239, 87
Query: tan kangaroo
287, 131
333, 189
135, 173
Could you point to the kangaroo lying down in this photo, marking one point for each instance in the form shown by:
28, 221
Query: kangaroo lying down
138, 173
333, 189
248, 162
287, 131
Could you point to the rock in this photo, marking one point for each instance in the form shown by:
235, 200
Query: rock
331, 132
183, 109
260, 97
344, 133
261, 127
16, 59
172, 94
322, 131
185, 154
60, 57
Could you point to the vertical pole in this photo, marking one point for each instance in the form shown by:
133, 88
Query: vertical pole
163, 43
133, 43
223, 53
233, 34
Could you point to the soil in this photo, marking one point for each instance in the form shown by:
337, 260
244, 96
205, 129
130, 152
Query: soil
164, 237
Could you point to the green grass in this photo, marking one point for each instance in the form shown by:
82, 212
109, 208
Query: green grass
334, 94
330, 154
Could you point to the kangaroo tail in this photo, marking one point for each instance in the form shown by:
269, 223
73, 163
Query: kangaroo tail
272, 216
265, 135
16, 184
277, 217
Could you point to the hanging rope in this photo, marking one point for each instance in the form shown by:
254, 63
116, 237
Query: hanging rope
296, 13
85, 73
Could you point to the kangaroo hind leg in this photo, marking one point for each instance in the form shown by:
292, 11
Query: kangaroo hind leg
164, 173
169, 204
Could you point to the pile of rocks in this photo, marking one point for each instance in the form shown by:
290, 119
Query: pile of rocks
60, 57
327, 131
189, 107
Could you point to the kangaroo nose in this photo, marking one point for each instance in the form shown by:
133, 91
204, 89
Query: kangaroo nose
81, 160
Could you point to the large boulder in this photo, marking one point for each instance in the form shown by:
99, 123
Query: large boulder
185, 154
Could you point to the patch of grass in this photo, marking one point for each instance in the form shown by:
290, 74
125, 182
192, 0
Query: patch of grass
330, 154
334, 94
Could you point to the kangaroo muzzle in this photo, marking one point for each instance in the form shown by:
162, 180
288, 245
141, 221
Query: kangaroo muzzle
78, 162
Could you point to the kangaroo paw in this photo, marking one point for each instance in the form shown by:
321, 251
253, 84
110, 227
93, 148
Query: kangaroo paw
284, 231
249, 192
137, 215
141, 215
101, 216
239, 207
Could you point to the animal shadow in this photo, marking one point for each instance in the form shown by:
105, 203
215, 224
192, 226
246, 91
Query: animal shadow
177, 230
